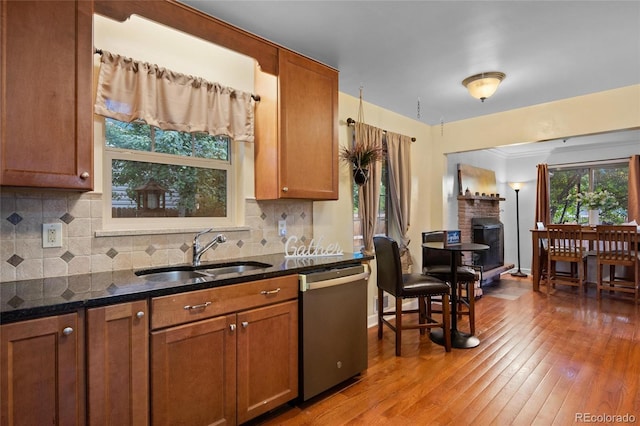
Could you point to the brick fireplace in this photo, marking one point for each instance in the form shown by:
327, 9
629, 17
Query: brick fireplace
483, 212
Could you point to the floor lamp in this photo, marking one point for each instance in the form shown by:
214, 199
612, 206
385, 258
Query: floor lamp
516, 186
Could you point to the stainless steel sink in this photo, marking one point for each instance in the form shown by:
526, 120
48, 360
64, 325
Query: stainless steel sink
200, 273
235, 268
170, 276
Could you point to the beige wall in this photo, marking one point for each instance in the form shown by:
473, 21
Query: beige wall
594, 113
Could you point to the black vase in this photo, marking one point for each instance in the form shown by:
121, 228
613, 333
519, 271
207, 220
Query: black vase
360, 176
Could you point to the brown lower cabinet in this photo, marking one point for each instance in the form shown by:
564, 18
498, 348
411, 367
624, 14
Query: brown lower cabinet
42, 371
225, 370
224, 355
118, 364
217, 356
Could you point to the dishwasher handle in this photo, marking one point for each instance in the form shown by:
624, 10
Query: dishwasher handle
304, 286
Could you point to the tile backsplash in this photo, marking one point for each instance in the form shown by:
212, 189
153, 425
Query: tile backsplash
24, 212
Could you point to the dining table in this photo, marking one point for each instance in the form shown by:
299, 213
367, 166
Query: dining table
539, 235
459, 339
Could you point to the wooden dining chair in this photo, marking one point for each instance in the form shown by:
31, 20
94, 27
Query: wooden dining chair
390, 279
564, 244
617, 248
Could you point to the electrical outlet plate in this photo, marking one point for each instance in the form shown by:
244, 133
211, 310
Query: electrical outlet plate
51, 235
282, 228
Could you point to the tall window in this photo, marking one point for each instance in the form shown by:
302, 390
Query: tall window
567, 182
383, 206
159, 173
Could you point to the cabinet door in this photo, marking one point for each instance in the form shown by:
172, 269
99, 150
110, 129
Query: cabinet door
193, 373
46, 116
267, 358
118, 360
296, 153
42, 372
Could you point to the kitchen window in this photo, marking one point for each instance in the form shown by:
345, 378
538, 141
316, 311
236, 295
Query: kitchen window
568, 181
171, 147
154, 173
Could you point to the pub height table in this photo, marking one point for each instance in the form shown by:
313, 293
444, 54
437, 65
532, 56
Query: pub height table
459, 339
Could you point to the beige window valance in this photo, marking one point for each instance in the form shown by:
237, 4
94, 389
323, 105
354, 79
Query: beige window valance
130, 90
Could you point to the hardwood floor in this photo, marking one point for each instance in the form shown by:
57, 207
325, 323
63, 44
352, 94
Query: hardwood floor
542, 360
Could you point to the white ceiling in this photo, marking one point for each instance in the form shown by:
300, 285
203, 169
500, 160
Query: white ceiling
402, 51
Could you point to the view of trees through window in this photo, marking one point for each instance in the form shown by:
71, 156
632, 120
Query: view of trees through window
160, 173
567, 183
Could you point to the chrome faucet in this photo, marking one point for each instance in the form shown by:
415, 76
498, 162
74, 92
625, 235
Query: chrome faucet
198, 251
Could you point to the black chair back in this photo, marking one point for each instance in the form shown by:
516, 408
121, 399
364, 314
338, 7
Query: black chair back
432, 257
389, 265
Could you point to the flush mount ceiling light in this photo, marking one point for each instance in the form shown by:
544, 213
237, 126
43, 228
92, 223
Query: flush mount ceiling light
483, 85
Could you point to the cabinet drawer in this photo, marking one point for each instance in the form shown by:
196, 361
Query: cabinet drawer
195, 305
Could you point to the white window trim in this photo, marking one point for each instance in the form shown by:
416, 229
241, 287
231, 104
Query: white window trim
137, 226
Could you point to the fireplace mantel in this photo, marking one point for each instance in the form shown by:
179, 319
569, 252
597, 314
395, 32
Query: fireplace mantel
479, 197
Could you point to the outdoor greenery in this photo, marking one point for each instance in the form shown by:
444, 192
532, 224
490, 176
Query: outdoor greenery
567, 205
191, 191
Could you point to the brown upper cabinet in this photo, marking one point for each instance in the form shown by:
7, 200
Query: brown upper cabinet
296, 153
46, 113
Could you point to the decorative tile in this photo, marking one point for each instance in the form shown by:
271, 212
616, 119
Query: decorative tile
263, 216
263, 242
240, 243
15, 218
284, 240
112, 288
67, 256
112, 253
283, 215
150, 250
68, 294
15, 260
15, 301
185, 247
303, 215
303, 239
67, 218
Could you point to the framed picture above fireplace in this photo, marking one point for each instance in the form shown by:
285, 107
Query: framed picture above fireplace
477, 180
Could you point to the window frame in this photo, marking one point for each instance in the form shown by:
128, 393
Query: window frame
357, 221
591, 168
168, 223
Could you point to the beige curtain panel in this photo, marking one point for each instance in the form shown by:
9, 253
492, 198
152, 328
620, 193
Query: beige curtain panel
130, 90
399, 167
370, 191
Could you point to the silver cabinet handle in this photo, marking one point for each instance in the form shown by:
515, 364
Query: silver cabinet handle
245, 324
84, 175
266, 292
140, 314
232, 327
200, 306
285, 189
67, 331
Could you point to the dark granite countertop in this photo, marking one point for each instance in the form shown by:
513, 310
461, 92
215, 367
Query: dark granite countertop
20, 300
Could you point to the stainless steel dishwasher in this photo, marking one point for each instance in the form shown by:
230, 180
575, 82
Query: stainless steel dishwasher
333, 327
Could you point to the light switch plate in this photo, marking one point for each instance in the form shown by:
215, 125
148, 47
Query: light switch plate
282, 228
51, 235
